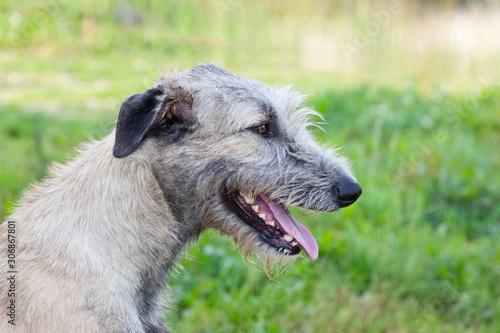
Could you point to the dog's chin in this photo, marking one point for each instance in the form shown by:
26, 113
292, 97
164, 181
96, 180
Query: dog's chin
270, 229
255, 249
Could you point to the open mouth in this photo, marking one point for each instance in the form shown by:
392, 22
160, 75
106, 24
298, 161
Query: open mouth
274, 223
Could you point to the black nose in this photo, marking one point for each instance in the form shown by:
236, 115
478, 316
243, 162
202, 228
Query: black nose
347, 192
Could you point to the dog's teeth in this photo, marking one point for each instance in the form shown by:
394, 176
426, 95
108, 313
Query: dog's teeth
262, 216
288, 238
249, 200
271, 223
255, 208
294, 243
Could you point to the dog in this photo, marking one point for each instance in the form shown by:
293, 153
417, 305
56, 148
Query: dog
91, 246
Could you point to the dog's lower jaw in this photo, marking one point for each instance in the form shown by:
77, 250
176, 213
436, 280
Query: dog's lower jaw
274, 224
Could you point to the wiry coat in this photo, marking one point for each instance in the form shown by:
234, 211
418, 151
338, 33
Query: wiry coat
96, 240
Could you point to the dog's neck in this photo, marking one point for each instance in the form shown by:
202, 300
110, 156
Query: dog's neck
97, 196
154, 230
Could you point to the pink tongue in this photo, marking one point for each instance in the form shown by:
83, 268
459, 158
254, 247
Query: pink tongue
293, 228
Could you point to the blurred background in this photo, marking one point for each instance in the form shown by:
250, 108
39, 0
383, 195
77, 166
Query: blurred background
410, 90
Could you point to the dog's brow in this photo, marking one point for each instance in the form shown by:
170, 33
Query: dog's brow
268, 109
271, 113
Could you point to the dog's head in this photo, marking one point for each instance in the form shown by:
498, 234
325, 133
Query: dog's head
232, 153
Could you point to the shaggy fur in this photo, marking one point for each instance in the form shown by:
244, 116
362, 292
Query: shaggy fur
97, 239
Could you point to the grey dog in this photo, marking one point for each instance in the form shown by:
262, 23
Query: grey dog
203, 149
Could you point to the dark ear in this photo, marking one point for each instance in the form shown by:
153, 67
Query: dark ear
143, 113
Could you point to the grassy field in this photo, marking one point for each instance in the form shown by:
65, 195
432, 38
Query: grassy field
419, 251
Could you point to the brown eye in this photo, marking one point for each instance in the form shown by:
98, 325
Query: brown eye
265, 130
262, 129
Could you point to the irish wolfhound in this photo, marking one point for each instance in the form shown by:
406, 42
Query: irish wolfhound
91, 246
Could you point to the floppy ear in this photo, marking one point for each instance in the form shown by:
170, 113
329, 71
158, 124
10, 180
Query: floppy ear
144, 113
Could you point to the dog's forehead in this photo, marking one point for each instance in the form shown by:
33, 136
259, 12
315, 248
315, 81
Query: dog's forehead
240, 99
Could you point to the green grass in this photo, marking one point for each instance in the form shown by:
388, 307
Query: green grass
418, 252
